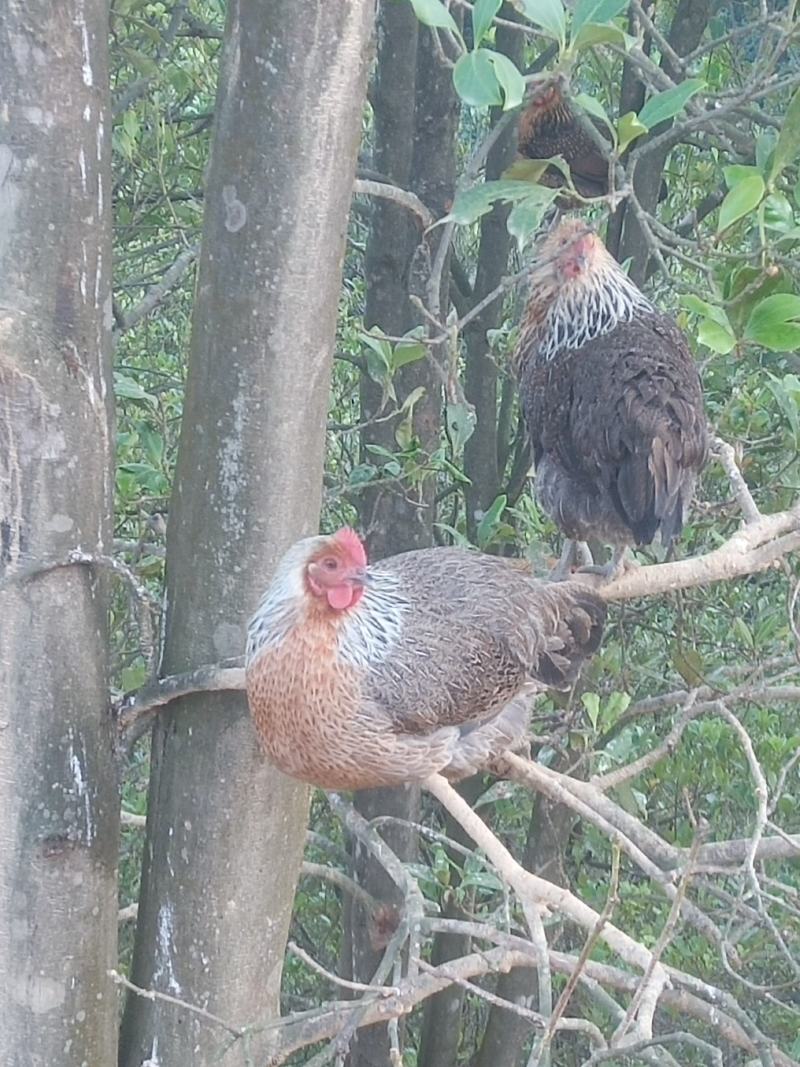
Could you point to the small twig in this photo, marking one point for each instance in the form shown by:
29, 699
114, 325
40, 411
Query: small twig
154, 994
410, 201
359, 987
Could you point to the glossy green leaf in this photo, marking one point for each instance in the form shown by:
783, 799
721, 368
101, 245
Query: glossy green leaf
737, 172
592, 34
475, 79
689, 664
460, 424
774, 323
509, 78
702, 307
592, 106
489, 521
743, 198
670, 103
591, 702
407, 352
596, 11
715, 336
434, 13
787, 149
526, 216
482, 14
130, 390
628, 129
548, 14
470, 204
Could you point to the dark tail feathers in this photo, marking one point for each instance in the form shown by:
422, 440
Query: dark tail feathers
580, 616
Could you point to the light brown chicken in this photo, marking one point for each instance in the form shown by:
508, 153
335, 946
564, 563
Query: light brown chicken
362, 676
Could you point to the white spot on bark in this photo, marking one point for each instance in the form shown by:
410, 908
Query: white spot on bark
82, 165
165, 947
235, 211
80, 22
81, 789
40, 994
153, 1060
59, 523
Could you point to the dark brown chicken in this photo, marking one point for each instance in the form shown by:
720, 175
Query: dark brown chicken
549, 127
611, 397
364, 676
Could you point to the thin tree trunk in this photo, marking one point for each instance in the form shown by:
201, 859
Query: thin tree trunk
481, 460
384, 515
225, 830
415, 126
506, 1035
686, 31
58, 795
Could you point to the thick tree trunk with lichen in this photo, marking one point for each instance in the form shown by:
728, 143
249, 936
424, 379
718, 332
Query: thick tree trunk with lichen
225, 831
58, 795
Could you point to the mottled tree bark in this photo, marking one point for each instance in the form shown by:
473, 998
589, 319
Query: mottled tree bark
225, 830
481, 453
507, 1035
385, 516
415, 126
58, 795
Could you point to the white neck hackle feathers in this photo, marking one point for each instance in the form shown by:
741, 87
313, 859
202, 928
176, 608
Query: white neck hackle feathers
568, 305
363, 634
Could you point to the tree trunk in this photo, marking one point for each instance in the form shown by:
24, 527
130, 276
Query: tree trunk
686, 31
415, 127
225, 830
58, 795
481, 453
384, 514
506, 1035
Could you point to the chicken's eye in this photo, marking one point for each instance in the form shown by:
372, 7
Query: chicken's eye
330, 564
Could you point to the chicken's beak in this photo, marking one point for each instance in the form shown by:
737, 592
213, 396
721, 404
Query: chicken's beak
359, 577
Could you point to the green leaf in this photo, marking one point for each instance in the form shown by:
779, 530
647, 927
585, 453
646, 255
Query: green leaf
716, 337
407, 352
702, 307
592, 106
628, 129
778, 214
786, 391
491, 518
133, 677
460, 424
470, 204
475, 80
671, 102
526, 216
129, 389
591, 702
482, 14
689, 664
787, 149
741, 200
592, 34
549, 14
434, 13
736, 173
596, 11
774, 323
509, 78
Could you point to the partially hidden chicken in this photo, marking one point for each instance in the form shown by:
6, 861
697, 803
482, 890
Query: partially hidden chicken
361, 676
549, 127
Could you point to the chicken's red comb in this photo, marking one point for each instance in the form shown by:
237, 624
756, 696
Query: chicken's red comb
352, 543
